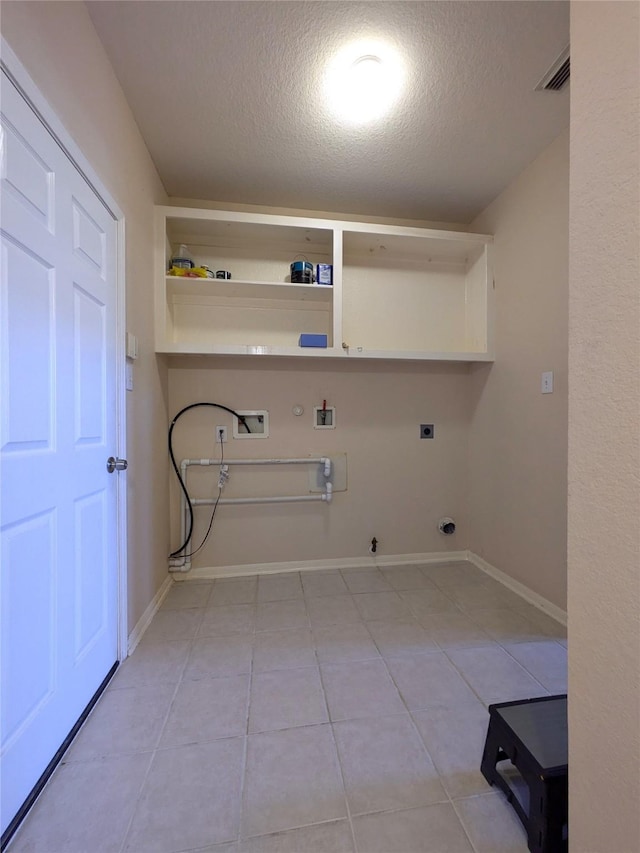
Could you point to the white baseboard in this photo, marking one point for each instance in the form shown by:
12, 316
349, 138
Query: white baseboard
212, 572
145, 620
519, 588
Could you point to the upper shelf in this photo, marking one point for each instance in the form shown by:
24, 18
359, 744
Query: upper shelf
210, 230
186, 286
429, 247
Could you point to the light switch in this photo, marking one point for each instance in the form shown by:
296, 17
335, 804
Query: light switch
128, 376
547, 382
132, 346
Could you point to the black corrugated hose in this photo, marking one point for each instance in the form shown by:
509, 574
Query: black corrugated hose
241, 420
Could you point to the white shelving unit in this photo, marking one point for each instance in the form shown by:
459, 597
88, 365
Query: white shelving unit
398, 293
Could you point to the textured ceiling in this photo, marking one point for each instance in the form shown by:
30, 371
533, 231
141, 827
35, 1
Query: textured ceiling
228, 97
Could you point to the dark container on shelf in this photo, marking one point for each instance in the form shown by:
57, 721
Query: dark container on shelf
302, 272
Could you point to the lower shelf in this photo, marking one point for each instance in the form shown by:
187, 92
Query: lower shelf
329, 352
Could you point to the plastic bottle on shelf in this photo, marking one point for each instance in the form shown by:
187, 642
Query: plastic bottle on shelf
182, 258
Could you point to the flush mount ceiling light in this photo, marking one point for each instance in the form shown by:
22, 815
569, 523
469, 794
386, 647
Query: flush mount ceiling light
363, 81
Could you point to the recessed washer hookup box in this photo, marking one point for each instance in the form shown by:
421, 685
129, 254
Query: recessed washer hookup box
312, 341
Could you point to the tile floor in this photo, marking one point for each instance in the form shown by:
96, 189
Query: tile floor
320, 712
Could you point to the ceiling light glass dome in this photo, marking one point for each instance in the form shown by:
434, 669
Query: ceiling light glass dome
363, 81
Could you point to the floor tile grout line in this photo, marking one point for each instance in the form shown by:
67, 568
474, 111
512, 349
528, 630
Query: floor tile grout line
537, 631
431, 651
245, 745
165, 606
544, 687
290, 829
337, 751
456, 801
390, 811
490, 702
461, 613
245, 757
450, 799
494, 794
464, 827
418, 616
151, 751
485, 583
446, 800
431, 758
157, 747
248, 716
462, 675
441, 773
428, 753
243, 837
451, 803
344, 787
154, 751
206, 741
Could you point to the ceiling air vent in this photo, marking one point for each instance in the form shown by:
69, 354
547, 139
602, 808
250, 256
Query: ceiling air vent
558, 75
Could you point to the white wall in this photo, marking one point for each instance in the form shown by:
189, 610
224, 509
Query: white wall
398, 485
604, 430
518, 436
60, 49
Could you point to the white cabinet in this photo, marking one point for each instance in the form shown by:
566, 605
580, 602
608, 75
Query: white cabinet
415, 293
408, 293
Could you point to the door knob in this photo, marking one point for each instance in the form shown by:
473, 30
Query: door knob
116, 464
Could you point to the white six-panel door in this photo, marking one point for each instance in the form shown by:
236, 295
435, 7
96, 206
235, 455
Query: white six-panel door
59, 581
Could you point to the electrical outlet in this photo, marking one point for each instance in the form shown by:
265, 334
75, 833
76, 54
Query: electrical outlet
221, 434
427, 430
547, 382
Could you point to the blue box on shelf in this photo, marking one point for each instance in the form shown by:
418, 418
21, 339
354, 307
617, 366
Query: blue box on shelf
307, 340
324, 274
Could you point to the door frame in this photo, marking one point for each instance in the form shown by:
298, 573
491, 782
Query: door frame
18, 74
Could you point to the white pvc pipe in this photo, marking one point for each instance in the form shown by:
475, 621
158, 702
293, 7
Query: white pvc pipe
183, 564
273, 499
318, 460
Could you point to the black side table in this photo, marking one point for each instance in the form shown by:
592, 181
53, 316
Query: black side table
532, 734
